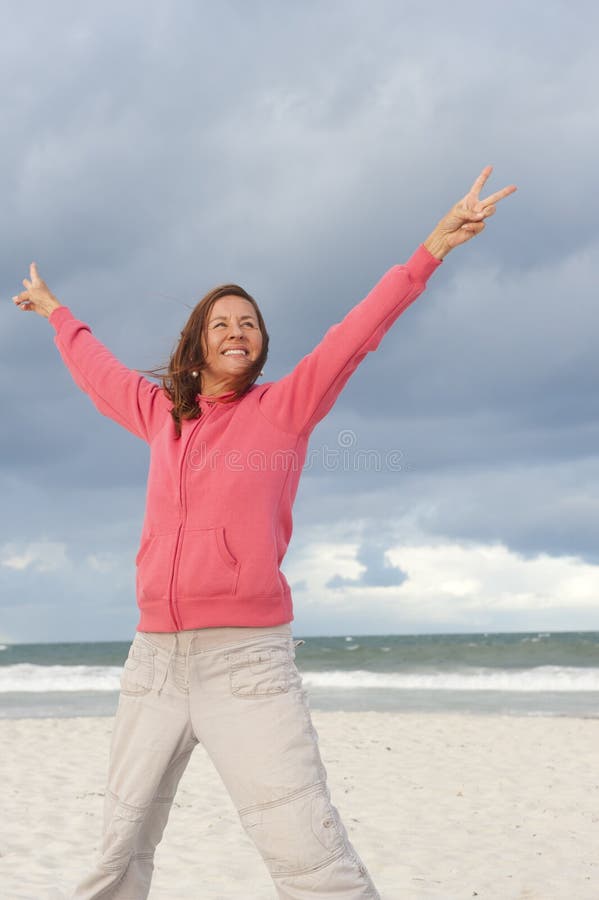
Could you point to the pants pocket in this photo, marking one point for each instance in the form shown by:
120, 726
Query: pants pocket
296, 835
137, 676
324, 823
259, 672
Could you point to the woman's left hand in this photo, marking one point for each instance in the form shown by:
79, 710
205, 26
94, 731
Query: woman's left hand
466, 218
37, 296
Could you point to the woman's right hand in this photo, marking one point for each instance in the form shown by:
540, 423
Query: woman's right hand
37, 296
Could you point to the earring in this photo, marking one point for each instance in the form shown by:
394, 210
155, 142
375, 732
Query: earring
194, 374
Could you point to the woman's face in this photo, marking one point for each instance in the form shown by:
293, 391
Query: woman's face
232, 342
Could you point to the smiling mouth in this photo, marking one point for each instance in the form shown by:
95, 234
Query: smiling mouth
237, 352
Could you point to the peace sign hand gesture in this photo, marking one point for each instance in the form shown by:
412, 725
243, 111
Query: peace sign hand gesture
466, 218
37, 296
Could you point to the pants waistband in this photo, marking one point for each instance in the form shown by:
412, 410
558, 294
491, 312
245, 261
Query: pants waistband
209, 638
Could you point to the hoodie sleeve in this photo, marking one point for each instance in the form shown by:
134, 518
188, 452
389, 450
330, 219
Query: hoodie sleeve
301, 399
133, 401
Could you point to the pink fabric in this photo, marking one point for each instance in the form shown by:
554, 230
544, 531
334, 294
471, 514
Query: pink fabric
218, 511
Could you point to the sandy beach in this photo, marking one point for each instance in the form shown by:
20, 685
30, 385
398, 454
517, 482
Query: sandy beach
439, 806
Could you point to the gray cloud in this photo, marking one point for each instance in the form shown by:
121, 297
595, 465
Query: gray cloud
378, 572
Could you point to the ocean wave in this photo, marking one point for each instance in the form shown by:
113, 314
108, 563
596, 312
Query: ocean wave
541, 679
28, 678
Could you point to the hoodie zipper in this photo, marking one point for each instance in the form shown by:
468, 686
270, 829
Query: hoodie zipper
183, 504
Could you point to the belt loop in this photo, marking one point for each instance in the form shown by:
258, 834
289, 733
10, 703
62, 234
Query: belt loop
187, 662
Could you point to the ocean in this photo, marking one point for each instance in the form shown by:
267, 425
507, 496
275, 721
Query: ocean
530, 674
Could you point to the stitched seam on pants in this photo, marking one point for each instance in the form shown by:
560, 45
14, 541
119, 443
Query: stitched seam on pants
111, 887
365, 874
311, 789
128, 805
327, 862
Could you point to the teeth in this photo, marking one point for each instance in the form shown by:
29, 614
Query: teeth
235, 352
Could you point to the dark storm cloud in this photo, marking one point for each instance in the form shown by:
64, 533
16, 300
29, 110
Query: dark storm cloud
378, 572
153, 150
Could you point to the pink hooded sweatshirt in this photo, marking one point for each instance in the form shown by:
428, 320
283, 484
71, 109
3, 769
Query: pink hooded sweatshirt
219, 499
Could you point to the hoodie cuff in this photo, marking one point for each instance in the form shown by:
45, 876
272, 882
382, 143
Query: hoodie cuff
59, 315
422, 264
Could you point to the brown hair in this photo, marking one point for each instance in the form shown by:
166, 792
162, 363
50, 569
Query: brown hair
178, 382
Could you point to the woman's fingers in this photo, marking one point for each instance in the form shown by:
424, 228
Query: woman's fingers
492, 199
34, 280
22, 300
489, 211
499, 195
34, 275
466, 218
467, 213
473, 227
481, 181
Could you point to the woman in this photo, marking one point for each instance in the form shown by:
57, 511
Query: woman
212, 659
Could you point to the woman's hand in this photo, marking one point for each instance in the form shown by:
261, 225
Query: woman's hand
466, 219
37, 296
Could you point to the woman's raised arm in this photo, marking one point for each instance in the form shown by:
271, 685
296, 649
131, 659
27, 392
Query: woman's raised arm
301, 399
120, 393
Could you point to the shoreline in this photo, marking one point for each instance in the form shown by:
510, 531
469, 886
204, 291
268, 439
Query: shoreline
438, 806
103, 704
318, 711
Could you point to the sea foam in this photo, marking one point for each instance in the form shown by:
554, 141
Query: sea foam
29, 678
541, 678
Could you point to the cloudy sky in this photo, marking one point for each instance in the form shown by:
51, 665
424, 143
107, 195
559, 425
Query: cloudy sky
153, 149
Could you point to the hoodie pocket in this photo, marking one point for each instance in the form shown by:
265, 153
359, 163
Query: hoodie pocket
207, 568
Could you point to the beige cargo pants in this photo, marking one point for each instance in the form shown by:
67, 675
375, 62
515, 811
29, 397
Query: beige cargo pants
236, 691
